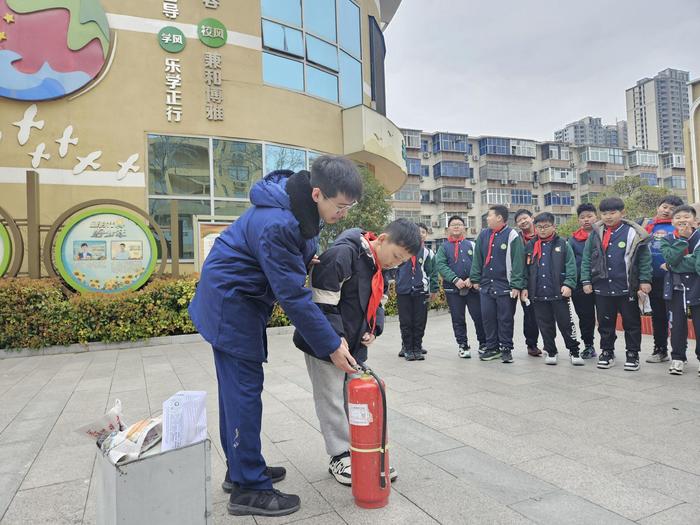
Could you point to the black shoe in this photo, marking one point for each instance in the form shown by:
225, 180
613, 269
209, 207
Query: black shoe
276, 474
402, 353
490, 355
410, 356
482, 348
632, 361
418, 355
423, 351
262, 503
507, 355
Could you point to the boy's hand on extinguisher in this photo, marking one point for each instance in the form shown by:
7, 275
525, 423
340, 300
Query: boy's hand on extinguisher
645, 287
514, 294
368, 339
343, 359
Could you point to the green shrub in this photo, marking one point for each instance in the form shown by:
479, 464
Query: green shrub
35, 313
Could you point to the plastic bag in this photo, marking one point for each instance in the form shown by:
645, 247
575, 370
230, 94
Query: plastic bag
99, 429
129, 444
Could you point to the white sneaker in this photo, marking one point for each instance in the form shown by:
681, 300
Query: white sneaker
576, 360
340, 468
676, 368
464, 352
550, 359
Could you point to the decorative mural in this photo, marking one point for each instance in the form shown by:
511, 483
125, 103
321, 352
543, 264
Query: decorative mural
50, 48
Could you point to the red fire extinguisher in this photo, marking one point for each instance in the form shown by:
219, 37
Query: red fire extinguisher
368, 440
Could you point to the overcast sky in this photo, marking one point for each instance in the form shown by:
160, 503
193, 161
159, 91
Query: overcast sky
524, 68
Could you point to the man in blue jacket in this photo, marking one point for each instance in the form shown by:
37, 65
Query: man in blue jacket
260, 259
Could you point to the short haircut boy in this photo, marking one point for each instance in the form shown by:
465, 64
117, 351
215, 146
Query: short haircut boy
611, 204
406, 234
500, 210
334, 175
545, 216
586, 206
455, 218
521, 211
673, 200
685, 208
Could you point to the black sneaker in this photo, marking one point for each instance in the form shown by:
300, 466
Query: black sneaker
340, 468
490, 355
606, 359
588, 352
507, 355
262, 503
410, 356
418, 355
402, 353
632, 361
276, 474
659, 355
482, 348
423, 351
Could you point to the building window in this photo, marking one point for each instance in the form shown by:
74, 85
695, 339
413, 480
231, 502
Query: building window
450, 142
290, 47
451, 168
377, 51
425, 171
523, 148
609, 155
494, 146
424, 146
649, 178
425, 197
413, 166
209, 176
643, 158
412, 138
521, 197
411, 215
677, 182
559, 198
448, 194
408, 192
561, 175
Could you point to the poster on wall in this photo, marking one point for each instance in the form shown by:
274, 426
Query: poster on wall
105, 250
207, 229
5, 250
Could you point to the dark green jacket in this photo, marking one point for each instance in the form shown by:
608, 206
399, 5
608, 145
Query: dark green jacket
638, 262
683, 269
563, 267
514, 257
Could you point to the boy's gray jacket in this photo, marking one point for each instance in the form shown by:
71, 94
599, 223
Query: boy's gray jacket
637, 256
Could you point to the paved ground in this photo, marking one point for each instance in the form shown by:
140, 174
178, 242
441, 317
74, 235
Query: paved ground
473, 442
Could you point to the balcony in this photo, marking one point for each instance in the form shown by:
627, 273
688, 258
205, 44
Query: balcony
372, 138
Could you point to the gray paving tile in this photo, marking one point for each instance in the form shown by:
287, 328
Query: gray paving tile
61, 464
684, 514
419, 438
563, 508
667, 480
56, 504
503, 482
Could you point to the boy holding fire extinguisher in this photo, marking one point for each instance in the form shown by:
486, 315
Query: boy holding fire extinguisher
348, 286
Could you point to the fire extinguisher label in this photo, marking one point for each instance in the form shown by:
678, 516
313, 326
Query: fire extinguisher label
359, 415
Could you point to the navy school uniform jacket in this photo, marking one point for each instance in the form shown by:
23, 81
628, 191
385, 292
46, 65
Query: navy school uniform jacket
418, 279
623, 267
342, 285
262, 258
453, 269
683, 262
545, 276
506, 267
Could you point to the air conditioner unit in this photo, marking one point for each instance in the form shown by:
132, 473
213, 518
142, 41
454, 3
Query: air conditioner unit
512, 182
574, 185
535, 184
473, 231
470, 205
504, 182
426, 155
420, 178
475, 157
436, 224
537, 208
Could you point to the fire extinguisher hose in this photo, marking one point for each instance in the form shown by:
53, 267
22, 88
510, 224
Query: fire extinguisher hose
382, 450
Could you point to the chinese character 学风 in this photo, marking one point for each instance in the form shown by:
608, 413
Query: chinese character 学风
212, 77
171, 9
212, 60
215, 112
173, 113
211, 4
172, 65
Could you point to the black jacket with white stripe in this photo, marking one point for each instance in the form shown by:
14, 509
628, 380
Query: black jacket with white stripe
341, 284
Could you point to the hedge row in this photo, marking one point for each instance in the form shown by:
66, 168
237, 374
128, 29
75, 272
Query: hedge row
36, 313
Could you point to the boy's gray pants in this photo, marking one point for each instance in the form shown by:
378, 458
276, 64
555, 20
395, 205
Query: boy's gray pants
328, 384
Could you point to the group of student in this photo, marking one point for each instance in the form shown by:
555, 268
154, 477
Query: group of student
609, 266
336, 300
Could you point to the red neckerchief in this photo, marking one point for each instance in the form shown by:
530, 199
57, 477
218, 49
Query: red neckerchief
493, 235
537, 250
375, 298
580, 235
413, 260
527, 237
607, 234
686, 239
456, 241
651, 224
